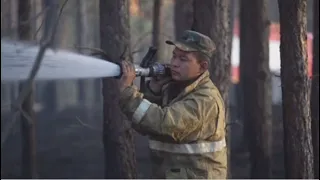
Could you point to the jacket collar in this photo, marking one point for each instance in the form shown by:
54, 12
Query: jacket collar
204, 77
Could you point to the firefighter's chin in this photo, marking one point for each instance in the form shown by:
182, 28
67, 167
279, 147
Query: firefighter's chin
175, 76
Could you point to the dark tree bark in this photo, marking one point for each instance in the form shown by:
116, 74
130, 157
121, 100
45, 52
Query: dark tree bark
156, 22
315, 89
256, 85
28, 168
158, 28
24, 14
80, 41
212, 18
117, 134
295, 89
50, 86
183, 16
9, 19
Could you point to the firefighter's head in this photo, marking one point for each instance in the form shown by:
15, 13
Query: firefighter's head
191, 55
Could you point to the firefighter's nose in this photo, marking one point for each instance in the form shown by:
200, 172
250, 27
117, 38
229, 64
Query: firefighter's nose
174, 63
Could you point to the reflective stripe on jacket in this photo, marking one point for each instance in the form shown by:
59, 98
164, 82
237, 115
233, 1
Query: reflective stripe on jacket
187, 134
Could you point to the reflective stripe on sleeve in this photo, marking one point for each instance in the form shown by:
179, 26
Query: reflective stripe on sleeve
199, 148
141, 111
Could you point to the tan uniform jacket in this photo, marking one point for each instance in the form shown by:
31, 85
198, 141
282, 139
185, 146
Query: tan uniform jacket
187, 134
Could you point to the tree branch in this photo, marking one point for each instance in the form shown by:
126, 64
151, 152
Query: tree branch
97, 51
85, 124
44, 44
145, 35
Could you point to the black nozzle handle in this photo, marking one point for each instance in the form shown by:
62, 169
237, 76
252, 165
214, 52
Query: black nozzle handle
148, 58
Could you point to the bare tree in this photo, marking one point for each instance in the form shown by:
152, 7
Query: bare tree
117, 133
83, 40
47, 42
315, 89
50, 17
158, 29
256, 85
212, 18
183, 15
9, 18
28, 168
295, 89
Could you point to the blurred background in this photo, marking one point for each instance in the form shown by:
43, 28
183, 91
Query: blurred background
69, 113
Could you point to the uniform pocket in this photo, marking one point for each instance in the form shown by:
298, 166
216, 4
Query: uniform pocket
176, 173
186, 173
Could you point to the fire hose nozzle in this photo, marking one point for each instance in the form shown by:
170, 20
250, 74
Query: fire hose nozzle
157, 69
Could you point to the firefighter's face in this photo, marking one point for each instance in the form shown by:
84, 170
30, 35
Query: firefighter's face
185, 66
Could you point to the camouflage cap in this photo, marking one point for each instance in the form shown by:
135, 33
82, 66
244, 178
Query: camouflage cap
194, 41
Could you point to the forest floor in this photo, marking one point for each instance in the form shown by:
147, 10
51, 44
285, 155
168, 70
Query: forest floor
68, 149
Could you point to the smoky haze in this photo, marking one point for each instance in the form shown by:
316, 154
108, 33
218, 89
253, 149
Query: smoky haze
69, 111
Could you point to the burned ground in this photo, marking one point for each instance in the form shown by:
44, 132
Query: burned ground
68, 148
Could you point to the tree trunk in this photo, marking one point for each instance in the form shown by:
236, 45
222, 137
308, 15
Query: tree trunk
295, 90
211, 17
117, 134
85, 38
28, 169
80, 41
9, 17
50, 86
256, 85
183, 16
37, 7
315, 89
158, 29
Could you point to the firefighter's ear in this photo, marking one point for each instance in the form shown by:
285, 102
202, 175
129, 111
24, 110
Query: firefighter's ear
204, 65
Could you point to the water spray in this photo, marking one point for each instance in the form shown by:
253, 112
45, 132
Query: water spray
17, 59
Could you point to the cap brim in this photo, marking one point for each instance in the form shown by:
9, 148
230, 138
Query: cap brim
181, 46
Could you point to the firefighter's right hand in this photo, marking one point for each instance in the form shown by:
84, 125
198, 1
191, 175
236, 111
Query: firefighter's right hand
156, 84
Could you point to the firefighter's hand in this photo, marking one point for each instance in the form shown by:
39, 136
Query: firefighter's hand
128, 75
156, 84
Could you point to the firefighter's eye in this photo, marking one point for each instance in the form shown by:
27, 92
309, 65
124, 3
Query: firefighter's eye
183, 59
174, 56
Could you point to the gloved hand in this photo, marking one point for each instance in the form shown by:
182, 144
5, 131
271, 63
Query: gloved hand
156, 83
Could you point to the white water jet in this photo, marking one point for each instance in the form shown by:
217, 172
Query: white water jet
17, 59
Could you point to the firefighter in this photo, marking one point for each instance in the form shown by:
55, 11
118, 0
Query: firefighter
183, 114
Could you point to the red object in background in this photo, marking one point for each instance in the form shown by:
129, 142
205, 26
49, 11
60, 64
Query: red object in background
275, 37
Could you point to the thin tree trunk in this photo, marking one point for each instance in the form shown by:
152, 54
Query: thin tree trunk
80, 39
315, 88
28, 169
183, 16
29, 152
50, 86
157, 29
9, 8
37, 29
117, 133
295, 89
256, 85
212, 18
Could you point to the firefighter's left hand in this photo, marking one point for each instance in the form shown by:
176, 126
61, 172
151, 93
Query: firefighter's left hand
128, 75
